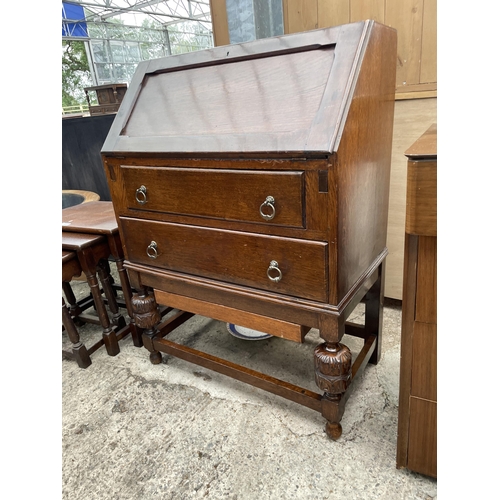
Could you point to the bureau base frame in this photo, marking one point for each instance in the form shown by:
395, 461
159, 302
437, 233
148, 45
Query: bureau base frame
335, 371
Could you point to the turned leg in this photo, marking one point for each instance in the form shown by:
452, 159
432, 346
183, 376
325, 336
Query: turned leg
332, 366
147, 316
74, 308
104, 275
79, 350
127, 294
108, 334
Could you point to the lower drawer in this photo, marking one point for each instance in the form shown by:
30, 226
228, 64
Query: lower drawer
283, 265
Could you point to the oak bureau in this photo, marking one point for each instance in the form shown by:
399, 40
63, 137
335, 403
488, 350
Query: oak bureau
251, 183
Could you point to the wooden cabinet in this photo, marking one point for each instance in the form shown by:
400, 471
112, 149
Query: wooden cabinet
251, 184
109, 98
417, 426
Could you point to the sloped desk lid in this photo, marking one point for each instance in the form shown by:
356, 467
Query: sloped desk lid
281, 96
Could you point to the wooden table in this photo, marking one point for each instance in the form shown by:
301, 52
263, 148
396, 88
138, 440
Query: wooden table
71, 268
417, 424
98, 218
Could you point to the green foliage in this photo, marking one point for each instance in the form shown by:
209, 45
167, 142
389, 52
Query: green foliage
75, 73
127, 46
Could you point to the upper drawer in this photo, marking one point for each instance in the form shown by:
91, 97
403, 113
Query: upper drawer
284, 265
238, 195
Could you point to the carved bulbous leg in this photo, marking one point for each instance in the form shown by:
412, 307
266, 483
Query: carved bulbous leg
146, 316
332, 367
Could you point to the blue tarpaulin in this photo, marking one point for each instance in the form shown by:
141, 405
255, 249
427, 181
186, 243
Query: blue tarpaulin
73, 21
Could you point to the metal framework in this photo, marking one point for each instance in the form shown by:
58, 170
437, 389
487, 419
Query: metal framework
121, 33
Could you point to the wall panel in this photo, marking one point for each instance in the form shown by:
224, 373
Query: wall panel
302, 15
333, 13
406, 16
367, 9
220, 28
428, 65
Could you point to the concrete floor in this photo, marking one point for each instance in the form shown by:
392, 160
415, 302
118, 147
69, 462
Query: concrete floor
133, 430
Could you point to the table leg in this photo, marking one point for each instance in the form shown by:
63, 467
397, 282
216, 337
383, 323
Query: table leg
127, 294
332, 364
374, 313
79, 350
103, 271
108, 334
147, 316
74, 308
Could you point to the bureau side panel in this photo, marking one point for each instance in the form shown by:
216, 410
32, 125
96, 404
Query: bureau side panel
362, 167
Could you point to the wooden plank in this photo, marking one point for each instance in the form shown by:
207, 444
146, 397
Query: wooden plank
424, 94
428, 64
332, 13
363, 357
361, 10
407, 324
421, 198
407, 17
301, 15
219, 22
417, 87
278, 328
426, 300
424, 361
266, 382
422, 447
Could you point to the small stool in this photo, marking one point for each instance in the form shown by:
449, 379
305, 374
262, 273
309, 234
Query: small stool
91, 250
70, 268
98, 218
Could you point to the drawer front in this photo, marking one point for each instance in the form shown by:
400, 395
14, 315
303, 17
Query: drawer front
238, 195
233, 257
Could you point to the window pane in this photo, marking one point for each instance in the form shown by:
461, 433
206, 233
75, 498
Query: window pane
103, 73
99, 51
252, 19
117, 52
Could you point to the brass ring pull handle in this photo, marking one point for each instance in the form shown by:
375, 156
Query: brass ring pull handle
152, 250
141, 195
269, 202
273, 267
